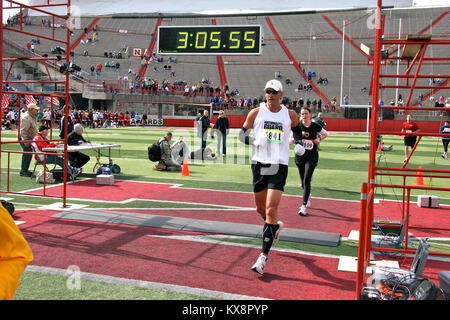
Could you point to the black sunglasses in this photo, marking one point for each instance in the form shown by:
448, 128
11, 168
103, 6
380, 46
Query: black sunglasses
271, 91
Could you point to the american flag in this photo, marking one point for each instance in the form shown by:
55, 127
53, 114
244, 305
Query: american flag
53, 100
29, 99
5, 101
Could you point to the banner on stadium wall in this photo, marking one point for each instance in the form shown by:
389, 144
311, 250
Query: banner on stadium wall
155, 122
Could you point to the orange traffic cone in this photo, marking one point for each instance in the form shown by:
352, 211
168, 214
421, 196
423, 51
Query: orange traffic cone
185, 170
419, 178
379, 148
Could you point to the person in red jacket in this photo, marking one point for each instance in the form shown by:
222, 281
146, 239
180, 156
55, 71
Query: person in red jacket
39, 142
409, 127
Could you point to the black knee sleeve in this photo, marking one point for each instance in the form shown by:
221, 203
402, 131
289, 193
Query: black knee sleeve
268, 236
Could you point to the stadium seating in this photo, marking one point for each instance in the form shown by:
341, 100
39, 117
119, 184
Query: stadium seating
310, 38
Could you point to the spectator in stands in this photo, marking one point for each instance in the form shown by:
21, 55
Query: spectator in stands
346, 100
420, 101
409, 127
28, 129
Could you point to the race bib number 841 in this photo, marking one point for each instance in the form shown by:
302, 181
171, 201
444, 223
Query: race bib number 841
274, 136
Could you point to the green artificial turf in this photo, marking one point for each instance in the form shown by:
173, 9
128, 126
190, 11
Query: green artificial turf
339, 175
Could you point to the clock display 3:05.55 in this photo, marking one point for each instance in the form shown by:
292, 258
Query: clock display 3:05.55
210, 40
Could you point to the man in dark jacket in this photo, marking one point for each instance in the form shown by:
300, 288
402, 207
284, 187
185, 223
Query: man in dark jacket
205, 125
75, 138
69, 123
222, 126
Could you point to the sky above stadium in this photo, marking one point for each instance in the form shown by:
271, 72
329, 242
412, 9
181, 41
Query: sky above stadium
108, 7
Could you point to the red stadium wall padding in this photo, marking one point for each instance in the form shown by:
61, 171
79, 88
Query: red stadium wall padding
334, 124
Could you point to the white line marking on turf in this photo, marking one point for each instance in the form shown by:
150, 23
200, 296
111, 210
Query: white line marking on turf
146, 284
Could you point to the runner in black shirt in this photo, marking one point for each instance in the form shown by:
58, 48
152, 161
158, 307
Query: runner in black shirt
308, 134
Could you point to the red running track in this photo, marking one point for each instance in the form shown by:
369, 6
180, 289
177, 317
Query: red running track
136, 253
326, 215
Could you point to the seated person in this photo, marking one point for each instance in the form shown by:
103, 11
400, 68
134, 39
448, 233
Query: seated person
40, 141
166, 162
180, 150
207, 154
75, 138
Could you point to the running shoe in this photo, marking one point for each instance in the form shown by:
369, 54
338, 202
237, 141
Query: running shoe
76, 172
302, 210
260, 264
277, 233
309, 202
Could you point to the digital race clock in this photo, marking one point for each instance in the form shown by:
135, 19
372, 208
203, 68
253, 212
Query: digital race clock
211, 40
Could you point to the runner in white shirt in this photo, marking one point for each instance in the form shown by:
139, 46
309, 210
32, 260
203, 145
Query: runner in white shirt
272, 123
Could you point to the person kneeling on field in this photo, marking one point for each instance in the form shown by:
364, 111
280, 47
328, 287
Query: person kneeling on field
166, 162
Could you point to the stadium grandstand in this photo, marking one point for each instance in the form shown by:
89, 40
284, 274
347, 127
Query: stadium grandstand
324, 58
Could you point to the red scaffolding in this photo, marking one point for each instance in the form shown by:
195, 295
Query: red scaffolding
17, 26
414, 49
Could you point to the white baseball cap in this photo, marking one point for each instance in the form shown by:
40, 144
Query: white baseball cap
274, 84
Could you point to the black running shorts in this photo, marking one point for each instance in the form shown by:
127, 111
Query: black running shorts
269, 176
410, 141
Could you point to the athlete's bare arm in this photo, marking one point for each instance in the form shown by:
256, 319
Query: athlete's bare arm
244, 133
294, 118
248, 124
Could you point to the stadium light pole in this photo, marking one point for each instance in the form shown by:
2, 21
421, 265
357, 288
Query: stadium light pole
398, 61
342, 60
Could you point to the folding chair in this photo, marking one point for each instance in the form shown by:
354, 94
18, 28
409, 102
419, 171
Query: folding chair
41, 163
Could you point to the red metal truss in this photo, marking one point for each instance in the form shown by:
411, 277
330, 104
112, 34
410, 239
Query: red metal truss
44, 8
368, 189
150, 49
